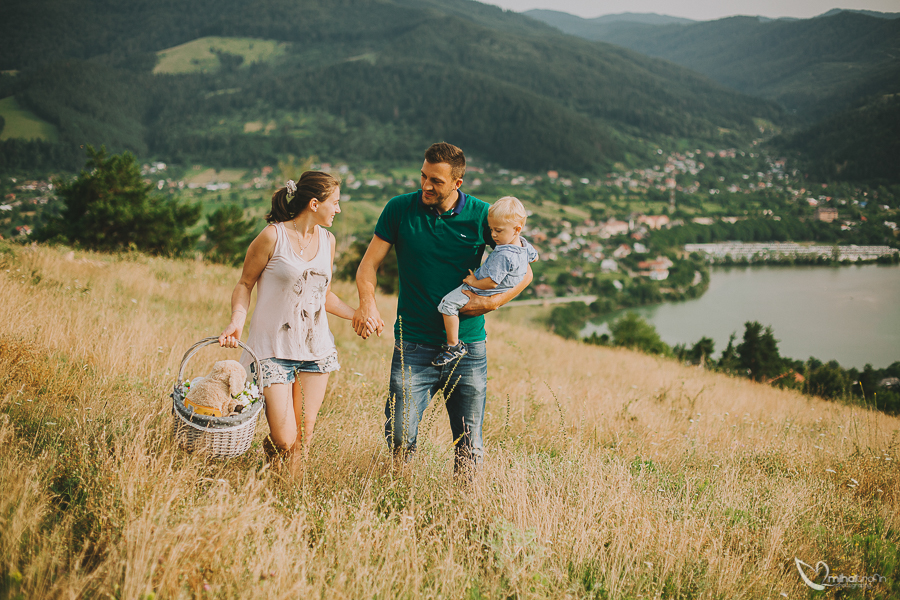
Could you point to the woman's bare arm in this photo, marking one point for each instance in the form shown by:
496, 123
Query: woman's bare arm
258, 255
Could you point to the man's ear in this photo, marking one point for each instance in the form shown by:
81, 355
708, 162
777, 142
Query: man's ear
459, 183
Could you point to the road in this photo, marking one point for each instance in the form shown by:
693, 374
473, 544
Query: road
559, 300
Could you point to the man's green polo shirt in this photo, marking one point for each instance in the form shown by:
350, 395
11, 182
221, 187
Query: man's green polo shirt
434, 254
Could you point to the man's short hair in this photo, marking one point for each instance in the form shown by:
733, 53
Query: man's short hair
442, 152
509, 210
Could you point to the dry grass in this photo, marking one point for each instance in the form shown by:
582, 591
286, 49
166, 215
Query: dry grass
609, 474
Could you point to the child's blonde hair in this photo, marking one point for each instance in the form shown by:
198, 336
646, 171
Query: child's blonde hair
508, 209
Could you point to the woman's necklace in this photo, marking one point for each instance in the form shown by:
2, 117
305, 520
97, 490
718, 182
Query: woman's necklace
300, 239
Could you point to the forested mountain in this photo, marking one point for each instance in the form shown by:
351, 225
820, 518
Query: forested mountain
361, 79
861, 144
813, 67
838, 74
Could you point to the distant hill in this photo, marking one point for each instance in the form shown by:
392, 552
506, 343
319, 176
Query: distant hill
365, 79
811, 66
833, 73
868, 13
591, 28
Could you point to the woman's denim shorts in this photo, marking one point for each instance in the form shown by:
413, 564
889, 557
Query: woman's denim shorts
282, 370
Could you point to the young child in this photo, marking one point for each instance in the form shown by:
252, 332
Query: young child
504, 268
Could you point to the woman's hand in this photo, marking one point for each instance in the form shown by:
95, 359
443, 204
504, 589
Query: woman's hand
229, 338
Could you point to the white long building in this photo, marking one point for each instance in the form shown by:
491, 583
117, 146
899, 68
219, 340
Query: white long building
775, 250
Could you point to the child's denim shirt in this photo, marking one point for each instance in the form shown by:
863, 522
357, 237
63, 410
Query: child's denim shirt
506, 266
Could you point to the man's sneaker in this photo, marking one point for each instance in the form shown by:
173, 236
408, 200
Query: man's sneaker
450, 354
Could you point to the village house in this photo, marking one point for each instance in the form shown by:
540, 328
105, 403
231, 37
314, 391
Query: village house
544, 291
622, 251
826, 214
609, 266
654, 221
613, 227
657, 270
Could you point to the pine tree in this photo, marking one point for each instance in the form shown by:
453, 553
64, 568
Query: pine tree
108, 207
228, 234
758, 353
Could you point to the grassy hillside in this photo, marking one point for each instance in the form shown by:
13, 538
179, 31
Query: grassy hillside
23, 124
203, 55
609, 474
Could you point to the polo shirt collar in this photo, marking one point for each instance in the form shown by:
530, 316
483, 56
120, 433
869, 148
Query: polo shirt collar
457, 208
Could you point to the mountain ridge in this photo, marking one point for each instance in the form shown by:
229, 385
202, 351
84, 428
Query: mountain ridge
510, 84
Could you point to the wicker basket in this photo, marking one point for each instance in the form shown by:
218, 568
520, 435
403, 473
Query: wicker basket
220, 437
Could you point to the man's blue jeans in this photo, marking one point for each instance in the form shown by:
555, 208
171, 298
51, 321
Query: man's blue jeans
414, 381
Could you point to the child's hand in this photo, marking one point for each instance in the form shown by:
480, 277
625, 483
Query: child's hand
470, 278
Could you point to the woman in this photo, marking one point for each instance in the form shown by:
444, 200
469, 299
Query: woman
291, 261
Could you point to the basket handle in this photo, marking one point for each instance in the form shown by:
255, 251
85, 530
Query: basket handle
215, 340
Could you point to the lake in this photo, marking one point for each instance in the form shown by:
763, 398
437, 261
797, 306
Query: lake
850, 313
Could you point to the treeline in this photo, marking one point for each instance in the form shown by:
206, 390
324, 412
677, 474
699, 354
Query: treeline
757, 357
760, 229
109, 208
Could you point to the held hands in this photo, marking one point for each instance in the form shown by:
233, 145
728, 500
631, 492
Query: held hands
366, 321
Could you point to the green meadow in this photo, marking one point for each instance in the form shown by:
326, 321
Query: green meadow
199, 56
22, 123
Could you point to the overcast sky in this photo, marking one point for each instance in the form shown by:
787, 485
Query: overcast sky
700, 10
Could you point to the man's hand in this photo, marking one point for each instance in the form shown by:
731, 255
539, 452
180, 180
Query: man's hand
367, 320
479, 305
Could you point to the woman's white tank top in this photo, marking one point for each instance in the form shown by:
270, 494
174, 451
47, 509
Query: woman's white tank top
289, 321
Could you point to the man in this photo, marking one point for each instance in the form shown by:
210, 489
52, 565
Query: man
439, 234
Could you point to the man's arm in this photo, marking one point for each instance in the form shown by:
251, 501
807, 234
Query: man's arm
479, 305
366, 281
